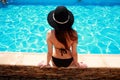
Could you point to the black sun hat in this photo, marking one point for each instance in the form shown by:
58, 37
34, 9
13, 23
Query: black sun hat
60, 18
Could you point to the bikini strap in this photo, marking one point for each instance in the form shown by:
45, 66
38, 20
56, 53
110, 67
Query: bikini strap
62, 51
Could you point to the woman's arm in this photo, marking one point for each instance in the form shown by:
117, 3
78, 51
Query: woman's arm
74, 48
50, 49
75, 57
74, 53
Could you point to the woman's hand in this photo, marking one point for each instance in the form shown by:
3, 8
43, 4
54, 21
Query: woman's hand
43, 65
80, 65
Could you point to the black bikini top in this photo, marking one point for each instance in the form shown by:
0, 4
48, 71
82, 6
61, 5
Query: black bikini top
62, 51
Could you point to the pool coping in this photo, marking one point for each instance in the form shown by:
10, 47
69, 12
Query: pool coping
32, 59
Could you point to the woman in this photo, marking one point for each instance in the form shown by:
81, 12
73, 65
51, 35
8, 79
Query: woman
62, 41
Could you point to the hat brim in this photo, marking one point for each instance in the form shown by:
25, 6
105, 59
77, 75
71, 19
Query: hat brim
57, 25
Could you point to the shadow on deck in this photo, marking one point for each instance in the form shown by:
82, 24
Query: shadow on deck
17, 72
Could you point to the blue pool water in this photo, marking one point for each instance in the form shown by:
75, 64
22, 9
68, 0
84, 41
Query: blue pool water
23, 28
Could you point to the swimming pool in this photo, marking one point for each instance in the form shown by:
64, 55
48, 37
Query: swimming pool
23, 27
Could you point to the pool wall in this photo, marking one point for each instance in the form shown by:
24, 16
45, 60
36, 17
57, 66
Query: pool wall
65, 2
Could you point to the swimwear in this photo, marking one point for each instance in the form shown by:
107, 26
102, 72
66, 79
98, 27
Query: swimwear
62, 51
62, 62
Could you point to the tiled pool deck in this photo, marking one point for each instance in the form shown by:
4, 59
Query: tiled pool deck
23, 66
32, 59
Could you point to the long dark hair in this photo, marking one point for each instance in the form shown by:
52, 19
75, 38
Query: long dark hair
64, 36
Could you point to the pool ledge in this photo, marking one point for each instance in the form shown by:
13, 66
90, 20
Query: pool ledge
33, 59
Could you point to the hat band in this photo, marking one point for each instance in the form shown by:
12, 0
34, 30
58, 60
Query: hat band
59, 21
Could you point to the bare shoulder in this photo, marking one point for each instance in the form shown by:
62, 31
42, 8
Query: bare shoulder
75, 33
76, 37
50, 31
49, 34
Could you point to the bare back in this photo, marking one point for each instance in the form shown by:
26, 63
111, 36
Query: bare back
57, 46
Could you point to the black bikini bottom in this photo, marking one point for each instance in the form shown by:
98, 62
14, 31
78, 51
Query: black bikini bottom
62, 62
